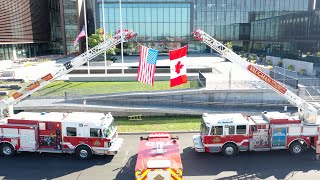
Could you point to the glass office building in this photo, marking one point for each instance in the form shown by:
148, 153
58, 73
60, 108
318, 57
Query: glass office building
256, 25
159, 24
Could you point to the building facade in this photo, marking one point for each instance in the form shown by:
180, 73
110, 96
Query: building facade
31, 28
252, 25
23, 28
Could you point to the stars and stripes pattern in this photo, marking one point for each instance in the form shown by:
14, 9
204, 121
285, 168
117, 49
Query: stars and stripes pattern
82, 34
147, 65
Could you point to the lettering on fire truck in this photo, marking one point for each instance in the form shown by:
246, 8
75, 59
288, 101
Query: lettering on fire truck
32, 86
267, 79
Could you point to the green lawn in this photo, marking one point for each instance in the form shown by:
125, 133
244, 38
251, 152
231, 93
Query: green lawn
58, 88
159, 123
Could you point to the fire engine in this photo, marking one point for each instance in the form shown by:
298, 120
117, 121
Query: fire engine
7, 103
82, 133
159, 158
235, 132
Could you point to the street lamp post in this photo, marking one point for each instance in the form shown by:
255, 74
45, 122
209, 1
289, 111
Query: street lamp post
104, 37
121, 36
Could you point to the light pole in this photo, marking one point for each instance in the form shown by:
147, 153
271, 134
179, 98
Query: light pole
121, 36
85, 24
104, 37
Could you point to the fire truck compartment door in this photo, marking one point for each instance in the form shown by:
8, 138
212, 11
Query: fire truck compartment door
116, 145
27, 139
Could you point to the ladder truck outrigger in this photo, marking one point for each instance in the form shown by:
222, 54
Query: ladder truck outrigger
82, 133
232, 133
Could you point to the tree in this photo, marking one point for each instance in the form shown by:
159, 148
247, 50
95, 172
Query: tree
291, 67
97, 38
229, 45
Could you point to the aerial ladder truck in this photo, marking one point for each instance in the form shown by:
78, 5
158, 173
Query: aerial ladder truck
307, 112
7, 103
274, 129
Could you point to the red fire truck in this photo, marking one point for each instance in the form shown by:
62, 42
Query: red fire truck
82, 133
231, 133
159, 158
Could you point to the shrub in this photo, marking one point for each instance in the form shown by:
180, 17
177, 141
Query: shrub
261, 57
280, 63
302, 71
291, 67
270, 67
254, 56
253, 61
318, 54
269, 62
246, 59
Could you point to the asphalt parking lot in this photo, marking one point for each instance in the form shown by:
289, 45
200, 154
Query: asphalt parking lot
247, 165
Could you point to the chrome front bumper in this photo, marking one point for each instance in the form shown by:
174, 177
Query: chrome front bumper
198, 145
112, 150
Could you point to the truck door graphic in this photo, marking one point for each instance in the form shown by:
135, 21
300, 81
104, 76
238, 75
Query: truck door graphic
279, 136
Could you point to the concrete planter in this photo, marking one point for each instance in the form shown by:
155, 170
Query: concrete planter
298, 65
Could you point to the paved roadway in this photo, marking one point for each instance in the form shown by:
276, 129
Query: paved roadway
247, 165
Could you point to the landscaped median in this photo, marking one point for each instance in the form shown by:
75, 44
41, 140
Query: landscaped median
158, 123
58, 88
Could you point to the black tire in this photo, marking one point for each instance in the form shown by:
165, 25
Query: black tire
83, 152
229, 150
7, 150
296, 148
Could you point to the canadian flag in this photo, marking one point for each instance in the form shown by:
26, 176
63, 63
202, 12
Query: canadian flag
178, 68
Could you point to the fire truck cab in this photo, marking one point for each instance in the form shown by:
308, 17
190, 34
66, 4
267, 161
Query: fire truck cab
232, 133
159, 158
82, 133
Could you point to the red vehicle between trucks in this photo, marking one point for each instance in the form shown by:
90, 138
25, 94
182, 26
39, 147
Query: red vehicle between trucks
159, 158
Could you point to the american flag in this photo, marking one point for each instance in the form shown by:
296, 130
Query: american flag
147, 65
82, 34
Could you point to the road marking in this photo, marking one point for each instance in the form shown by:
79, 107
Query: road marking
125, 157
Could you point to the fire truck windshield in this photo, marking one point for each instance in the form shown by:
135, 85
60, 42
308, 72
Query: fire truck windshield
204, 129
109, 130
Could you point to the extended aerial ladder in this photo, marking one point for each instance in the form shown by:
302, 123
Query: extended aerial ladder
307, 112
67, 67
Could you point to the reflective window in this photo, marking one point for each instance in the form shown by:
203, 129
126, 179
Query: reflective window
71, 131
95, 132
241, 129
217, 130
228, 20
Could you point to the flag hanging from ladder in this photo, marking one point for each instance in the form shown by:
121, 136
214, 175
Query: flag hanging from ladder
147, 65
178, 70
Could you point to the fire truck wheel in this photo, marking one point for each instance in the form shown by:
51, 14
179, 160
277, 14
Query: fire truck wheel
296, 148
7, 149
229, 150
83, 152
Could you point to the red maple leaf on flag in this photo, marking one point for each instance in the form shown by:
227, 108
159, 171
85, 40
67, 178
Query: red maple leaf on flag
178, 67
